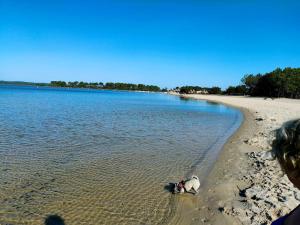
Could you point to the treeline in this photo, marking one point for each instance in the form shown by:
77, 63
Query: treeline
275, 84
22, 83
236, 90
109, 85
278, 83
231, 90
199, 90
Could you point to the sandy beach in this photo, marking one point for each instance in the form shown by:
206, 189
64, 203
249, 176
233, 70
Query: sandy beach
245, 186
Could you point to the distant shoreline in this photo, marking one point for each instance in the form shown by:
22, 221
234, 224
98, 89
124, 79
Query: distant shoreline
91, 86
77, 88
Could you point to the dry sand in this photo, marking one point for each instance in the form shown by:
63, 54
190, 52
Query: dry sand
245, 186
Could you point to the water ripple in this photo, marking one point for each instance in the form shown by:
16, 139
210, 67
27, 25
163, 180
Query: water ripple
100, 158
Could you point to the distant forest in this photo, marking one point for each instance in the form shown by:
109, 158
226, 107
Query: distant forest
22, 83
278, 83
275, 84
92, 85
109, 85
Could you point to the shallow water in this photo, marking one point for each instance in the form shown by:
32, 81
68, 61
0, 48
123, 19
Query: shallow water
102, 157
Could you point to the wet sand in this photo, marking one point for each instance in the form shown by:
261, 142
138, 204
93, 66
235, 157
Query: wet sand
244, 186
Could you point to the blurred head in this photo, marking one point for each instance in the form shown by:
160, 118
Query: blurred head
287, 150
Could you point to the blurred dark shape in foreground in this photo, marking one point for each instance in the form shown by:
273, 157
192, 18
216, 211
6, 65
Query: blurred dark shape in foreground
54, 220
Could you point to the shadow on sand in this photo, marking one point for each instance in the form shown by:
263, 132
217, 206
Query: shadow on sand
54, 220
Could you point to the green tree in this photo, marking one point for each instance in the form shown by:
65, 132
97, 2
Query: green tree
215, 90
58, 83
250, 81
236, 90
278, 83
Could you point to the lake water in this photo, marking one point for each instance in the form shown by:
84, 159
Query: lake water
102, 157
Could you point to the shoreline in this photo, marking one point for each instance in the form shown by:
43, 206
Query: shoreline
77, 88
229, 195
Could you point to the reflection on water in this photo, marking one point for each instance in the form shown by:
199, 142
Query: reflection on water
101, 157
212, 103
185, 99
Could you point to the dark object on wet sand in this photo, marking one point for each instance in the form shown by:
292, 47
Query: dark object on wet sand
170, 187
54, 220
173, 188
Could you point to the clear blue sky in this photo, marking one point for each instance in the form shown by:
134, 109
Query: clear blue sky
168, 43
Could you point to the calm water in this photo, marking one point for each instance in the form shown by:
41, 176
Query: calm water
102, 157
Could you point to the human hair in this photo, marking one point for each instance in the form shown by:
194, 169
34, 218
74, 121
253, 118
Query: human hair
286, 147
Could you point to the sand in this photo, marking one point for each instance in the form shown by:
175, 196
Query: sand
245, 186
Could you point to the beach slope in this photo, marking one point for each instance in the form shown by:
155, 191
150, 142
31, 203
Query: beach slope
245, 185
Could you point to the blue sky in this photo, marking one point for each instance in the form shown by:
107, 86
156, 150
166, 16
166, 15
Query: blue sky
168, 43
